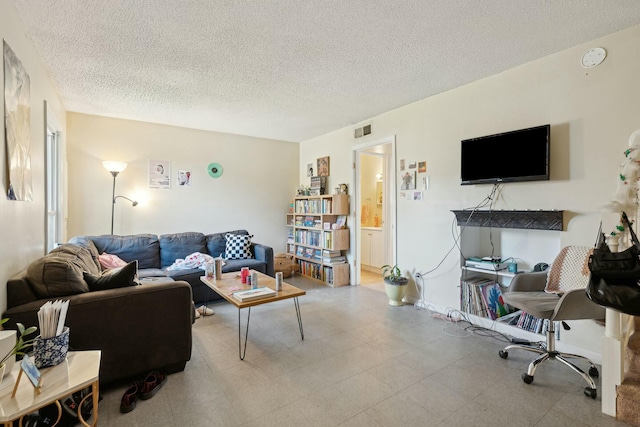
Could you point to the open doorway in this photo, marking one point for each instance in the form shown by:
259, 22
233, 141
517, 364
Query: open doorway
375, 210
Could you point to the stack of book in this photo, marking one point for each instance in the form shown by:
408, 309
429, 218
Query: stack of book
528, 322
318, 185
482, 297
333, 257
253, 294
311, 270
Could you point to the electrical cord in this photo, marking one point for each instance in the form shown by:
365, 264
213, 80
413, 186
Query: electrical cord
487, 201
454, 316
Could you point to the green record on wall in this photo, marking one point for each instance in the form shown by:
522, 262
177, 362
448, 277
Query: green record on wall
215, 170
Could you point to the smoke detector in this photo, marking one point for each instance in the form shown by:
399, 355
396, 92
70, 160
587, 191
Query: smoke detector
593, 57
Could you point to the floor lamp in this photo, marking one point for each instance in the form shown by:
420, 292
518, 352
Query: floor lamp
115, 168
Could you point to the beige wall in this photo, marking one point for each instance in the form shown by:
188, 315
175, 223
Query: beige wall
22, 224
591, 112
253, 193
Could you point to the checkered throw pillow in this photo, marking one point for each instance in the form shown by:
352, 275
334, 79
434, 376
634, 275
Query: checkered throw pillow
238, 246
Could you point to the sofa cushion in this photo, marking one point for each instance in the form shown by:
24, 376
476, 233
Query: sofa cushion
150, 272
238, 246
144, 248
60, 273
114, 278
180, 245
216, 243
190, 275
236, 264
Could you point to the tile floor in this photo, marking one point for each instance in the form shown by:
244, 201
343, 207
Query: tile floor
362, 363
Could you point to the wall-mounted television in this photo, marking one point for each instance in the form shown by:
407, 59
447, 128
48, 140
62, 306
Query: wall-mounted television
519, 155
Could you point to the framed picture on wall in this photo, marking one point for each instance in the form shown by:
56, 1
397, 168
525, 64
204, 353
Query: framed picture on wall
323, 166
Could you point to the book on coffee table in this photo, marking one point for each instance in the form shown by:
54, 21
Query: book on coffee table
252, 294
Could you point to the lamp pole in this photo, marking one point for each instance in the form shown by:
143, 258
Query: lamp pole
113, 198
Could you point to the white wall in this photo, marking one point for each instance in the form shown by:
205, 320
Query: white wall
253, 193
591, 112
22, 224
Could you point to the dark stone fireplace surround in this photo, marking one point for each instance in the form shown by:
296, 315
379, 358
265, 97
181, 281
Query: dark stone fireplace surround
528, 220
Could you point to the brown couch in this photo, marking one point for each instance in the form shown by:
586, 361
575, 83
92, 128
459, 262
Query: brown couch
137, 327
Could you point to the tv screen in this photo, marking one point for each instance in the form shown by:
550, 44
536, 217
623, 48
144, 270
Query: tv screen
520, 155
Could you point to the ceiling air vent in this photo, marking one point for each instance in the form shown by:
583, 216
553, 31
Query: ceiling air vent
363, 131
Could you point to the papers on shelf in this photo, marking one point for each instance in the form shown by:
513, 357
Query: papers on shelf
252, 294
51, 317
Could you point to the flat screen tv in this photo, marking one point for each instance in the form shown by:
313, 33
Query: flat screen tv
519, 155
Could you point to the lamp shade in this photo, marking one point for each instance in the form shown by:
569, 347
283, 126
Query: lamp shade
114, 166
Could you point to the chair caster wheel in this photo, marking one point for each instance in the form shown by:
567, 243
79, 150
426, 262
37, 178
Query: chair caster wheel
593, 372
590, 392
527, 378
503, 354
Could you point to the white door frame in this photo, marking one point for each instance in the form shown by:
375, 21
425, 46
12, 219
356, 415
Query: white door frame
390, 207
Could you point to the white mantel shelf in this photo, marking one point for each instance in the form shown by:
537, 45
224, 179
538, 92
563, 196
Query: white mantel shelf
528, 220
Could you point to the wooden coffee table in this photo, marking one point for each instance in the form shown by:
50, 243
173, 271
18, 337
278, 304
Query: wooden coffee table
231, 282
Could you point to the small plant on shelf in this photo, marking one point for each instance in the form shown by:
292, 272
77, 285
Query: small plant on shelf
21, 344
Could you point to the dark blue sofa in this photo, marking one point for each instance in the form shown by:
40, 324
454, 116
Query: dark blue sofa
155, 253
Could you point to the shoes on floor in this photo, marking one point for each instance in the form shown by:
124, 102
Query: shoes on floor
130, 398
152, 383
36, 420
197, 314
203, 310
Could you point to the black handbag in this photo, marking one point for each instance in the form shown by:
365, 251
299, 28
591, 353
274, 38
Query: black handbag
615, 275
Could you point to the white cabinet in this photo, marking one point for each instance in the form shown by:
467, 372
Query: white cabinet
372, 247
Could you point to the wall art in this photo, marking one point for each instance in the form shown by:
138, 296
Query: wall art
160, 174
17, 122
323, 166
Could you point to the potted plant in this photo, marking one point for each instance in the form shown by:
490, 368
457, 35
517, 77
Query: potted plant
20, 346
395, 284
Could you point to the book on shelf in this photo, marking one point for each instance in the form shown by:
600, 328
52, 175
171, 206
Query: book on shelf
328, 253
318, 184
492, 295
252, 294
482, 297
335, 260
341, 221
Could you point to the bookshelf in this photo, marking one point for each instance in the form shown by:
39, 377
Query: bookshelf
317, 247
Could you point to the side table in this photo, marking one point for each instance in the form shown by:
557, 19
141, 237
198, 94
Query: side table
78, 371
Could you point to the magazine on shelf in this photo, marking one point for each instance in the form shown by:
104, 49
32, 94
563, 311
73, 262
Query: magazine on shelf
252, 294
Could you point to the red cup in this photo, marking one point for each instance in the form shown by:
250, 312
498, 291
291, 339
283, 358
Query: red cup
244, 272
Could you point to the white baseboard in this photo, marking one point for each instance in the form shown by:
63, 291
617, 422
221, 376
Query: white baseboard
505, 329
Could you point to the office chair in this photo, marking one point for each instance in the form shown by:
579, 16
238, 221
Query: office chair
557, 294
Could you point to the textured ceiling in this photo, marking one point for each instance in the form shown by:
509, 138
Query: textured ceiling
293, 69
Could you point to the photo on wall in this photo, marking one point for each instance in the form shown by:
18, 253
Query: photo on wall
184, 178
323, 166
160, 174
408, 180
